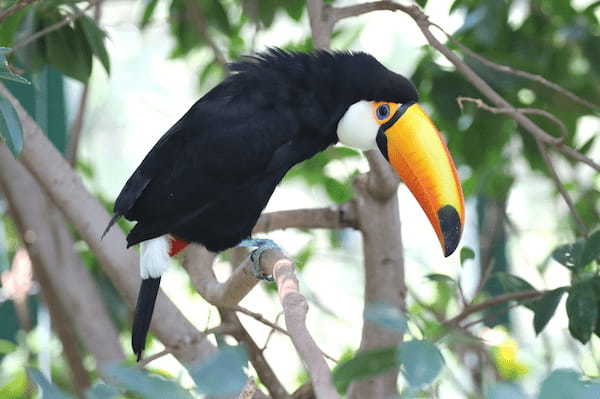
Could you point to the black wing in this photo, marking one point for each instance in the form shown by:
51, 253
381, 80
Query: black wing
220, 144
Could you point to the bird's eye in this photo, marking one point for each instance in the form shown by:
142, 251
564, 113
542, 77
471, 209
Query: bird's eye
383, 111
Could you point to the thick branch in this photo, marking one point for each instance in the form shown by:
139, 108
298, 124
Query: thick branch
61, 273
333, 217
321, 24
89, 217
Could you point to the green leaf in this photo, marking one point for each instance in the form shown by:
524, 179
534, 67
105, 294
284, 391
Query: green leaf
505, 390
337, 191
4, 263
545, 307
7, 346
582, 311
421, 362
148, 11
511, 283
48, 390
591, 249
95, 38
148, 386
466, 253
295, 9
440, 278
102, 391
569, 255
10, 127
15, 385
223, 373
386, 316
364, 365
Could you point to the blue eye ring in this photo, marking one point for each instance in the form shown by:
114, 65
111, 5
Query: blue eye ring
383, 112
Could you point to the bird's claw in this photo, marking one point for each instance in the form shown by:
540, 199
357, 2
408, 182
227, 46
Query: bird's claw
262, 245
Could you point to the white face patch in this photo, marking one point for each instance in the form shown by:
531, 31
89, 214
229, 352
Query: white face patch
154, 257
358, 127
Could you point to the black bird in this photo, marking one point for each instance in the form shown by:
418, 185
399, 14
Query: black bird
209, 177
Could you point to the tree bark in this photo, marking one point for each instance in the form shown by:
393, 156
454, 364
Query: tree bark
89, 217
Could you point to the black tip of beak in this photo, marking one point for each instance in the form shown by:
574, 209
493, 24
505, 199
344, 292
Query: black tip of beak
451, 228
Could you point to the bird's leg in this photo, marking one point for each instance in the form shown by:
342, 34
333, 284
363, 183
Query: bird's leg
262, 245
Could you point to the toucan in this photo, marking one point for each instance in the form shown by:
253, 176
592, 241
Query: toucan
208, 178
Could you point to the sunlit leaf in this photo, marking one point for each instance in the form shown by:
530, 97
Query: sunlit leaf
223, 373
10, 127
582, 312
148, 386
338, 191
545, 307
48, 390
364, 365
421, 362
440, 278
385, 316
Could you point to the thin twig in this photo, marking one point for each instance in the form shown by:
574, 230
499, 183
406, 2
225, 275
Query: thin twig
67, 19
144, 362
531, 111
7, 12
561, 189
530, 76
271, 333
474, 308
199, 22
543, 150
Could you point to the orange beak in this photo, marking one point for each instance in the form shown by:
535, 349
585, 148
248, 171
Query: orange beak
415, 149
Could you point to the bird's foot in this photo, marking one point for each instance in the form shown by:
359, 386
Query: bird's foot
262, 245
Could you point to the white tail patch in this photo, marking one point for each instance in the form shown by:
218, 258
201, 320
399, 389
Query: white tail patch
154, 257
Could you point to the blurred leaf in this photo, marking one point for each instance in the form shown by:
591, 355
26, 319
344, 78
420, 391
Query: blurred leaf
421, 362
95, 38
304, 255
545, 307
14, 385
148, 386
466, 253
223, 373
10, 127
148, 11
591, 249
4, 263
5, 72
440, 278
295, 9
7, 346
338, 191
505, 390
581, 309
48, 390
569, 255
585, 148
562, 384
364, 365
385, 316
102, 391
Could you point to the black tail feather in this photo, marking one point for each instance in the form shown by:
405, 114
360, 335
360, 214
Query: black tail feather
143, 314
110, 224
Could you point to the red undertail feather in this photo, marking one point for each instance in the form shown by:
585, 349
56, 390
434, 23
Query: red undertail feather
177, 246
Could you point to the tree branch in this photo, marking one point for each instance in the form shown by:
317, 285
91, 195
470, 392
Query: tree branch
334, 217
67, 19
7, 12
295, 308
543, 150
497, 300
89, 217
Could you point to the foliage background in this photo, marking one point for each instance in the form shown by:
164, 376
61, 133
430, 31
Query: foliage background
156, 51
